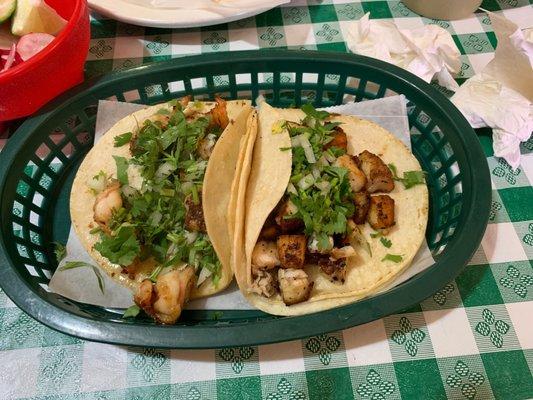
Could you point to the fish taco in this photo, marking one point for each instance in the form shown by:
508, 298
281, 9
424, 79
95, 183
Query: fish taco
330, 208
150, 200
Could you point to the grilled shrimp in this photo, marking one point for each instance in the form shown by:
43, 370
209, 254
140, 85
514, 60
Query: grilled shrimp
165, 299
107, 202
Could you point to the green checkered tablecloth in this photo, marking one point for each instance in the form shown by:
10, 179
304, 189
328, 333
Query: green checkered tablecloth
471, 340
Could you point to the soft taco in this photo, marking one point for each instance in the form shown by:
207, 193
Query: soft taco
333, 208
150, 201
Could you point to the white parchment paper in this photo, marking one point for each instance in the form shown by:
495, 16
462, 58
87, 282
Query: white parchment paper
81, 284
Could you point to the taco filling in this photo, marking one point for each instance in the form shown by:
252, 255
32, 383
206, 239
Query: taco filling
318, 220
149, 219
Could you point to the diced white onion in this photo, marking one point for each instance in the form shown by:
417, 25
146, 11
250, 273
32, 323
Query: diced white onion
308, 149
155, 218
204, 274
187, 186
190, 236
164, 170
324, 186
128, 191
98, 182
322, 161
291, 188
316, 172
306, 182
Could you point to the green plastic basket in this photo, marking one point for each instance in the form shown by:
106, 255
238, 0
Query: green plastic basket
37, 168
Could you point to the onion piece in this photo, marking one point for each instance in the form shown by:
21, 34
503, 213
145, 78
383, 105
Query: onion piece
190, 237
324, 186
306, 182
32, 43
204, 274
291, 189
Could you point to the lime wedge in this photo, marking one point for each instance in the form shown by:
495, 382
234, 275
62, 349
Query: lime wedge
35, 16
6, 9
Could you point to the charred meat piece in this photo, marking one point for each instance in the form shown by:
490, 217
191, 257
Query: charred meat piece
194, 215
335, 269
294, 285
381, 212
378, 174
288, 225
219, 114
270, 229
291, 250
165, 299
106, 203
339, 140
265, 255
362, 204
356, 177
265, 283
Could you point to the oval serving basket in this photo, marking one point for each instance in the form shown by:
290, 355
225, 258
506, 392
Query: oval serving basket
38, 164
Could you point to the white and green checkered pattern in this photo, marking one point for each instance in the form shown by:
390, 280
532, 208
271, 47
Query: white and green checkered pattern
471, 340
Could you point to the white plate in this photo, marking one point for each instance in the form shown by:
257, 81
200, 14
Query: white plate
137, 13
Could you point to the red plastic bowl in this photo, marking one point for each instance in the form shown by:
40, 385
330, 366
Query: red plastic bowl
58, 67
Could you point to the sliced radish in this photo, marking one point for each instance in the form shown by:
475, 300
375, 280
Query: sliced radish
32, 43
10, 58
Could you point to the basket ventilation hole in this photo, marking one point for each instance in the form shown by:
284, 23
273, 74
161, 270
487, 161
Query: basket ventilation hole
31, 269
34, 218
198, 83
243, 78
309, 78
43, 151
176, 86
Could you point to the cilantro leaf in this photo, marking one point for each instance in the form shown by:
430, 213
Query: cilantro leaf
310, 111
410, 178
385, 242
132, 311
123, 139
395, 258
80, 264
122, 248
122, 169
60, 251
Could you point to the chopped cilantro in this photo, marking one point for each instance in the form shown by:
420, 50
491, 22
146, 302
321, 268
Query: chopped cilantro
150, 222
122, 248
385, 242
123, 139
81, 264
122, 169
132, 311
60, 251
395, 258
410, 178
320, 191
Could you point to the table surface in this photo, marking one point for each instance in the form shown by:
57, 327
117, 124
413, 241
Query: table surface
472, 339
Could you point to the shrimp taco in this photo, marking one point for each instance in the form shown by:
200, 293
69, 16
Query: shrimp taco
333, 208
150, 200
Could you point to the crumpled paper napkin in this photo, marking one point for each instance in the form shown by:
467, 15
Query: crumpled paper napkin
428, 52
501, 95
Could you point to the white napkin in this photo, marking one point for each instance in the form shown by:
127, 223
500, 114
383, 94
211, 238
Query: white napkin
501, 95
428, 52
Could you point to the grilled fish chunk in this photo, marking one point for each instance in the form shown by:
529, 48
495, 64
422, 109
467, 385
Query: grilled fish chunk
356, 177
294, 285
265, 255
339, 140
288, 225
335, 269
362, 204
194, 215
291, 250
265, 283
165, 299
378, 174
381, 212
